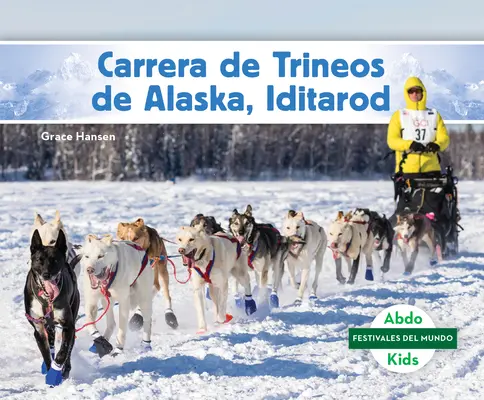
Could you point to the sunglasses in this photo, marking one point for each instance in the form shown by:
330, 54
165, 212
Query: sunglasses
415, 90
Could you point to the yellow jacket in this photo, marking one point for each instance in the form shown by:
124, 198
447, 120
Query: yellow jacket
415, 162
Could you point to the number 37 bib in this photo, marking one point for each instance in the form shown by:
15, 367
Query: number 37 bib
418, 125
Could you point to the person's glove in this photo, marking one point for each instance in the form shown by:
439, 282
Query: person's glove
417, 147
432, 147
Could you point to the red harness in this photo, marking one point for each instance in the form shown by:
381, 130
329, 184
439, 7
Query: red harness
108, 282
206, 275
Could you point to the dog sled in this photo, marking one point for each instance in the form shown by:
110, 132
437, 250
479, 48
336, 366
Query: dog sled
432, 196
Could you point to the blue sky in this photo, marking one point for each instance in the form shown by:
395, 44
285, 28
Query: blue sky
249, 19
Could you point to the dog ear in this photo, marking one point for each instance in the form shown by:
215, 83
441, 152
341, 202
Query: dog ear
340, 215
38, 220
107, 239
90, 237
398, 218
36, 242
139, 222
291, 213
300, 215
199, 228
61, 242
57, 219
122, 224
248, 210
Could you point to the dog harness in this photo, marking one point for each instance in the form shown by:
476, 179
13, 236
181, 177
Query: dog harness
206, 275
144, 263
335, 255
41, 294
253, 251
106, 284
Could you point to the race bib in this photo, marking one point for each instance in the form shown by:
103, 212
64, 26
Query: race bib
419, 125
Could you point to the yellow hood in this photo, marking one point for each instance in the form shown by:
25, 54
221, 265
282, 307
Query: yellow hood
420, 105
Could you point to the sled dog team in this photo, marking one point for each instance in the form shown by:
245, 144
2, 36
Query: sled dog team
132, 269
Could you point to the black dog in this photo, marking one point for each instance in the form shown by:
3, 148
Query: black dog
51, 298
210, 225
383, 233
265, 243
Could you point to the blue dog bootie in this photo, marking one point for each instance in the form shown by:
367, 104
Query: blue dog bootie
43, 369
369, 274
146, 346
54, 375
274, 300
250, 305
238, 300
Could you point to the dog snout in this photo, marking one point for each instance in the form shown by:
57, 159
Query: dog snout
90, 270
181, 250
45, 275
333, 245
405, 236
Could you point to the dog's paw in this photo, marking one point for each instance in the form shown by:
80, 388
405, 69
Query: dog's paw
238, 301
117, 351
228, 318
350, 282
433, 262
101, 347
341, 280
43, 368
250, 306
298, 302
146, 346
170, 319
274, 300
369, 274
407, 273
54, 375
313, 298
136, 322
201, 331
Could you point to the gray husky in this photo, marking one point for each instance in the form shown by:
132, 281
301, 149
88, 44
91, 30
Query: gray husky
267, 249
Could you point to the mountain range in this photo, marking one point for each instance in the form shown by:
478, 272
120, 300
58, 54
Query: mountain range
48, 95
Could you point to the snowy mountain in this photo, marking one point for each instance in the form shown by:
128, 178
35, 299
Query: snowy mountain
48, 94
55, 95
453, 98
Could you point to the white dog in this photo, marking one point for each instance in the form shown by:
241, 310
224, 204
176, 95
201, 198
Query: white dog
308, 243
48, 233
211, 260
350, 237
121, 271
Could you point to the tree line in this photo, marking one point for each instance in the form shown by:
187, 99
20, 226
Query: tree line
216, 152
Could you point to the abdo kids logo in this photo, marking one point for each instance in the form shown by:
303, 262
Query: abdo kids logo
403, 338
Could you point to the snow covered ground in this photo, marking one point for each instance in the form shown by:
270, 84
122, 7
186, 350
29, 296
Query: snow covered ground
294, 352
